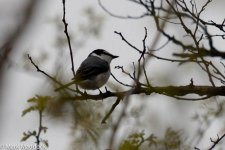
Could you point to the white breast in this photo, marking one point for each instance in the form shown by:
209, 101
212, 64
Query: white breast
102, 79
96, 82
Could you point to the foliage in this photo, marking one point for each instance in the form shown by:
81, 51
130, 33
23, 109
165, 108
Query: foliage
38, 104
171, 141
135, 141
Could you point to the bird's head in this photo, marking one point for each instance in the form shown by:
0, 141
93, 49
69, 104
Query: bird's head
103, 54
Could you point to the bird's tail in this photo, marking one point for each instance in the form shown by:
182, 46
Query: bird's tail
64, 86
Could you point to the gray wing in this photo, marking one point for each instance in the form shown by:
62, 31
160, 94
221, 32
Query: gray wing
90, 67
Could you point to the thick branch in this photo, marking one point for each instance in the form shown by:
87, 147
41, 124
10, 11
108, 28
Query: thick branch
171, 91
7, 47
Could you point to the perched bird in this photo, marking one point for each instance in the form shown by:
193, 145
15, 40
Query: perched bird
93, 72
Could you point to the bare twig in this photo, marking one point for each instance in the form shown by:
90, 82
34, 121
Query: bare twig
216, 142
46, 74
120, 81
142, 57
43, 72
144, 46
120, 118
111, 110
120, 34
38, 140
67, 35
125, 72
118, 16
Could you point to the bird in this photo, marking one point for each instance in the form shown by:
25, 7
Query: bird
93, 72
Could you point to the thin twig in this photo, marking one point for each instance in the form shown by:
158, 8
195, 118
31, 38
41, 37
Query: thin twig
118, 16
120, 81
144, 46
217, 141
123, 71
120, 118
67, 36
131, 45
111, 110
50, 77
38, 140
145, 72
39, 70
192, 99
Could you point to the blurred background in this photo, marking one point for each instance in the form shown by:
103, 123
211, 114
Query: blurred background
35, 28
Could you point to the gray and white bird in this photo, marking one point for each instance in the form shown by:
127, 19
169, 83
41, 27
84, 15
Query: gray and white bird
94, 71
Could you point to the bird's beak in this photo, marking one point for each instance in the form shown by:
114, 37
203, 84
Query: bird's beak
114, 57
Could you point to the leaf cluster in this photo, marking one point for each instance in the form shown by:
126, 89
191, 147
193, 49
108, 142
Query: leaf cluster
38, 104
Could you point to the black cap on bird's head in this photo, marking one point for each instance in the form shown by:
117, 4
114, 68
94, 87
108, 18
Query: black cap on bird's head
101, 53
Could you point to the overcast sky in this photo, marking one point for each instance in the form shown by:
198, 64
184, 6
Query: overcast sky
20, 85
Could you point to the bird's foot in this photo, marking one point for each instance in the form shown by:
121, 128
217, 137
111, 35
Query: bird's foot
100, 92
78, 90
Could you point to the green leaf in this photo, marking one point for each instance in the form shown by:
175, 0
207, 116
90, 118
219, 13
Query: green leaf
172, 139
128, 146
152, 140
27, 135
38, 103
133, 141
42, 101
45, 129
45, 142
29, 109
33, 99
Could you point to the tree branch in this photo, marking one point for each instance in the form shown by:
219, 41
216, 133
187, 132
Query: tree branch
216, 142
39, 70
67, 36
111, 110
171, 91
38, 140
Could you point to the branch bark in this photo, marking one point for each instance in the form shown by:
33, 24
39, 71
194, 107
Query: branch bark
172, 91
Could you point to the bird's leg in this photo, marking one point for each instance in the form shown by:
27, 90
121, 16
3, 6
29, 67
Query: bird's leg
78, 90
106, 90
85, 92
100, 92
